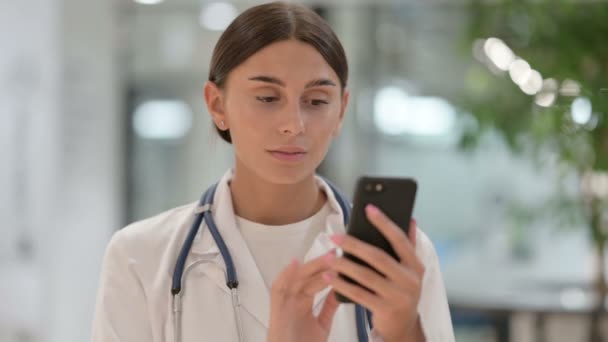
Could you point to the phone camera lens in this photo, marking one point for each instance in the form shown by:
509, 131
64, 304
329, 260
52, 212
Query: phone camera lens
379, 187
368, 187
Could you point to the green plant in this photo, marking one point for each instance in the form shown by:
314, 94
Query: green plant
567, 43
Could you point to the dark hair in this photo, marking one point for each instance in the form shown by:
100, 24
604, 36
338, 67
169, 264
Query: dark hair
262, 25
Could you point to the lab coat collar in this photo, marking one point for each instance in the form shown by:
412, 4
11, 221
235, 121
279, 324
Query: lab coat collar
323, 244
254, 295
333, 225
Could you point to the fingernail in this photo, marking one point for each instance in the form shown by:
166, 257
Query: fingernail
414, 222
327, 276
337, 238
329, 257
371, 209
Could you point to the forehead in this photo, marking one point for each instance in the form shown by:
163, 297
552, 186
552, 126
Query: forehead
291, 60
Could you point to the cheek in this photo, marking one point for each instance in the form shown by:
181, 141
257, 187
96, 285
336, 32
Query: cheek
322, 127
246, 120
326, 119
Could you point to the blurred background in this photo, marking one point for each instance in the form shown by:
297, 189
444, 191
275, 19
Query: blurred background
498, 108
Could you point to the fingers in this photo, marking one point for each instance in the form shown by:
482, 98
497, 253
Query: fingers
285, 278
395, 236
372, 255
309, 276
316, 265
376, 257
314, 285
412, 232
352, 291
406, 280
326, 316
303, 278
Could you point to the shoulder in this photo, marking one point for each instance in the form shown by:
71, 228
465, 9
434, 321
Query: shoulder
148, 238
156, 228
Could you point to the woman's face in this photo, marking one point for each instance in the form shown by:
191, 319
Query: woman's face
283, 106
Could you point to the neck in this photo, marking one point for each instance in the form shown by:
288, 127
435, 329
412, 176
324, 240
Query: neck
258, 200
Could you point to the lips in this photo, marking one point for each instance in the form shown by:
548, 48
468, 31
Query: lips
289, 149
289, 154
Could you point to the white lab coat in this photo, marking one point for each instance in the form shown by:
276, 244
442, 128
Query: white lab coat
134, 301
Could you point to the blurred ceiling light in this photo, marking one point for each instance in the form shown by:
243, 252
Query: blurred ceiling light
519, 71
390, 113
162, 119
431, 116
149, 2
216, 16
570, 88
397, 113
499, 53
581, 110
533, 84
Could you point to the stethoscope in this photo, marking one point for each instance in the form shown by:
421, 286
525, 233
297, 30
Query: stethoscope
203, 212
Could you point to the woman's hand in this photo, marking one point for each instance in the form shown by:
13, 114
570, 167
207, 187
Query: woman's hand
396, 291
292, 295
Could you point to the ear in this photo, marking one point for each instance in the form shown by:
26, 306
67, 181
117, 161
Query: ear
214, 98
343, 107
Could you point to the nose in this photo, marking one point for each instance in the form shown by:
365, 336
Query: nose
292, 122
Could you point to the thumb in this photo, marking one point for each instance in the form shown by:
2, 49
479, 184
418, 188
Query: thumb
412, 232
326, 316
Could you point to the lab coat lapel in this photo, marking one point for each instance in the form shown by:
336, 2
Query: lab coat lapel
334, 224
254, 295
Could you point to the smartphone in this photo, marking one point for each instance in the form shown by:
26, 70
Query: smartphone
395, 198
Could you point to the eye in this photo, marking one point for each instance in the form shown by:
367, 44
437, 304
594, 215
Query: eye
317, 102
266, 99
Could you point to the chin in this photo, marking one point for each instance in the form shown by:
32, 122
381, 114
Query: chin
279, 174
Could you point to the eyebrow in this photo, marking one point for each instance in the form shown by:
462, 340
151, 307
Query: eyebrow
313, 83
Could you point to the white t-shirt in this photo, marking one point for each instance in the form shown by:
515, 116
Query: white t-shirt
273, 247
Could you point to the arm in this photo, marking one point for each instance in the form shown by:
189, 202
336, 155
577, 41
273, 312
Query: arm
120, 312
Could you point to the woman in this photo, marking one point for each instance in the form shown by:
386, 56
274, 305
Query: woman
277, 92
